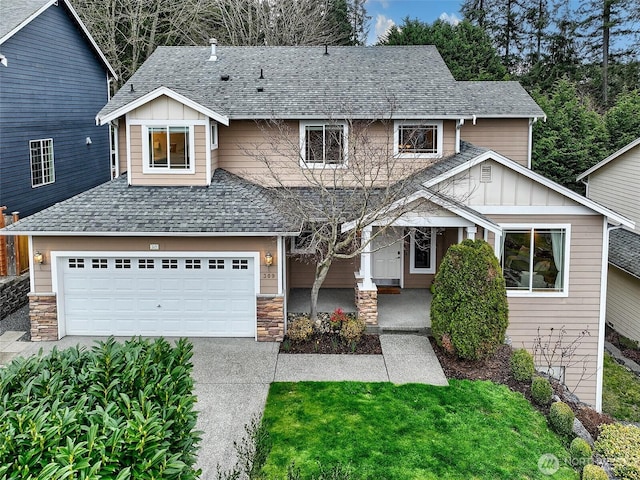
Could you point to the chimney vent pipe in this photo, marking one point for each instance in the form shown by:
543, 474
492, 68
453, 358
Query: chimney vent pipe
214, 44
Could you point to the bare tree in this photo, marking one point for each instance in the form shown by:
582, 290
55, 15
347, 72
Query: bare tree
340, 184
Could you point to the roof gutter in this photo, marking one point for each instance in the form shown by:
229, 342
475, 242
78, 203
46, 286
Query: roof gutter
14, 232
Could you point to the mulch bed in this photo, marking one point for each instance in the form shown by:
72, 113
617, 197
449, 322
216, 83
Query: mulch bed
614, 337
497, 370
332, 343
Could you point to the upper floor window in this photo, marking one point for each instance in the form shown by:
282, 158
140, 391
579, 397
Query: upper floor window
42, 169
535, 259
418, 139
169, 149
323, 144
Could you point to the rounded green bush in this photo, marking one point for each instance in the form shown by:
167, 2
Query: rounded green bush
300, 329
352, 329
581, 453
541, 390
594, 472
469, 306
522, 367
561, 418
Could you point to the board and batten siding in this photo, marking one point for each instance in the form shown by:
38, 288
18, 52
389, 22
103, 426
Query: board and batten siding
245, 145
509, 137
268, 281
616, 184
51, 89
578, 312
623, 303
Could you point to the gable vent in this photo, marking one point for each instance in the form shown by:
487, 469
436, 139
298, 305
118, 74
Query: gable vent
485, 173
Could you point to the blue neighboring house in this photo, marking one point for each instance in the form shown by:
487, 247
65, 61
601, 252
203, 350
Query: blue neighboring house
53, 81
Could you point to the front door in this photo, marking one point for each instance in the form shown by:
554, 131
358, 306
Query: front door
387, 255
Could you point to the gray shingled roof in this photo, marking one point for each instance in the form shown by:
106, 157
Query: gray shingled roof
14, 12
303, 82
624, 251
229, 205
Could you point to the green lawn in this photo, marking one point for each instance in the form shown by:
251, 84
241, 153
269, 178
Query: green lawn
469, 430
621, 391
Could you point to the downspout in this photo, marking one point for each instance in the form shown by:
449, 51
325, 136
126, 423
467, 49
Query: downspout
586, 183
530, 146
603, 311
116, 146
459, 124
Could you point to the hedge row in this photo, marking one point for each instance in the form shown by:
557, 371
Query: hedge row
117, 411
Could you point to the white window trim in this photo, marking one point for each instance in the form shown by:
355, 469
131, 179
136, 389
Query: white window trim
214, 135
567, 256
412, 254
322, 123
53, 162
427, 123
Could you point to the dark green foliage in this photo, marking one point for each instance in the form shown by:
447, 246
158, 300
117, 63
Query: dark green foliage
522, 367
594, 472
581, 453
117, 411
541, 390
623, 120
561, 418
465, 48
573, 138
469, 307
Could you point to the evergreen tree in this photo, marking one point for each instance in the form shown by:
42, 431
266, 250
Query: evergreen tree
623, 120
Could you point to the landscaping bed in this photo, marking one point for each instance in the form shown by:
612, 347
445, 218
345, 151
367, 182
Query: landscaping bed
332, 343
627, 347
118, 410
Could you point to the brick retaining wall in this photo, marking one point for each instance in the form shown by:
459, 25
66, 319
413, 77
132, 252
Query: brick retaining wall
13, 294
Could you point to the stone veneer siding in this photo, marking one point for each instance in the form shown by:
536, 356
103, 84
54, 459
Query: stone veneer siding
13, 293
367, 305
43, 314
270, 318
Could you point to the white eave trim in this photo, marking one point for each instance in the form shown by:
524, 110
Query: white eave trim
76, 17
491, 155
158, 92
147, 234
611, 157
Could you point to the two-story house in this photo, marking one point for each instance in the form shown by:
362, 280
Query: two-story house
614, 182
53, 78
189, 241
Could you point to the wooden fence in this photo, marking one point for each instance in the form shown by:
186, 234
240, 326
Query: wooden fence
14, 250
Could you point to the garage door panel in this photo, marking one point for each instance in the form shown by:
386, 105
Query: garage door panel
168, 296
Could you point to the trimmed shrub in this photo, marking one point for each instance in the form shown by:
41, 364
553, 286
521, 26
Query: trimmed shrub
619, 445
541, 390
352, 330
594, 472
469, 304
561, 418
300, 329
522, 367
120, 410
580, 452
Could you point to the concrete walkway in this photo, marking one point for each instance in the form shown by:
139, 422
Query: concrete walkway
232, 378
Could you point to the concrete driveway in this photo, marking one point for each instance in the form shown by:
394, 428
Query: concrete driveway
232, 378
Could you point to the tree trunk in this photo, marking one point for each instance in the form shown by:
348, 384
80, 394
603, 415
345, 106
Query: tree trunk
322, 268
606, 18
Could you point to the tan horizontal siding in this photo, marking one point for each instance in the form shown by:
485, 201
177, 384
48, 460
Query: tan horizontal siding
42, 274
443, 242
263, 153
509, 137
623, 303
577, 312
341, 273
616, 184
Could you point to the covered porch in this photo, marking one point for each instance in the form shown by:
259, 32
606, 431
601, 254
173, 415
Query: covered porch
402, 310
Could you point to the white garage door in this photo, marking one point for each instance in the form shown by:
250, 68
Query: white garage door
169, 296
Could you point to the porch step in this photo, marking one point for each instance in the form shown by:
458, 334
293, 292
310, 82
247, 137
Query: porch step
377, 329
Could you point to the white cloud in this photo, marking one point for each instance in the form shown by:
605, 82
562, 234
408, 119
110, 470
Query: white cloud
383, 24
383, 3
451, 18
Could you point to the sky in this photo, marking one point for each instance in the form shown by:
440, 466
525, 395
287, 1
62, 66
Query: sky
385, 13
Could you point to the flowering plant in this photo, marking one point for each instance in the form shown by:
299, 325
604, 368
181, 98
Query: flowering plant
337, 318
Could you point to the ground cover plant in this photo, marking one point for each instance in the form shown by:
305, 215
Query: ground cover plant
620, 392
117, 411
379, 430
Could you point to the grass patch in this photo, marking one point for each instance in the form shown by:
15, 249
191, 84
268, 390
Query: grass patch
469, 430
621, 391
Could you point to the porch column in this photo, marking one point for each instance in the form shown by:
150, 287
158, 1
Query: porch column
471, 232
365, 259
